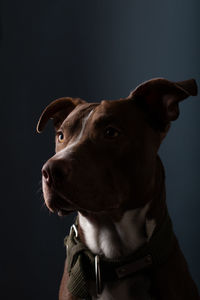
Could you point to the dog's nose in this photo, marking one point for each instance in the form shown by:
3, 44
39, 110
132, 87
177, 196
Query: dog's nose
55, 171
46, 174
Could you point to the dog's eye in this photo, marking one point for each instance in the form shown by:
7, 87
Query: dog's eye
111, 132
61, 137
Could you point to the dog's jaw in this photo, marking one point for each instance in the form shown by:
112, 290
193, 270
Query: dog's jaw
114, 239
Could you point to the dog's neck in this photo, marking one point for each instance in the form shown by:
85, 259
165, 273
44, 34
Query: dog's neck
104, 235
115, 239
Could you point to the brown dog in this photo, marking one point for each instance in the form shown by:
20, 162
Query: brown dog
107, 168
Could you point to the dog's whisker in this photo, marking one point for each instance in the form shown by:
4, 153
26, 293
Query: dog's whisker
39, 189
43, 206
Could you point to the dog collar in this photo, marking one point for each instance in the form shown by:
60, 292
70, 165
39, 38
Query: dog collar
84, 266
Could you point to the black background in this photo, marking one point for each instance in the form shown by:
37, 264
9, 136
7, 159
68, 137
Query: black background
94, 50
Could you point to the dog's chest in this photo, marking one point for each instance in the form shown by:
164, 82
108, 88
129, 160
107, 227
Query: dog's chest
118, 239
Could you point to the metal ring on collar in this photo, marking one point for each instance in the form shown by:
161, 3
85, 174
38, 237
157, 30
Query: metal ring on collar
73, 227
98, 275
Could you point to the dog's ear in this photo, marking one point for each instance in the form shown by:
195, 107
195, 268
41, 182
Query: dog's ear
58, 110
160, 99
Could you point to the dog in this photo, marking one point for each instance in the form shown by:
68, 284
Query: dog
107, 168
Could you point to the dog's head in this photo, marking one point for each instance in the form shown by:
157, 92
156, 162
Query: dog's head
106, 152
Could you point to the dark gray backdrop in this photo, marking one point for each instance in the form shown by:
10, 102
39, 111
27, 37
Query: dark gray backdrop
94, 50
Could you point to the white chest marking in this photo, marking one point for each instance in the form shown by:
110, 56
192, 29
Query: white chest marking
120, 238
116, 239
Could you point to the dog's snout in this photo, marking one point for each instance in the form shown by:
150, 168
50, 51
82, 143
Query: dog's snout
55, 171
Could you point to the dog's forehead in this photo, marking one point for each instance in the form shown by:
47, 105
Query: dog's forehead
122, 109
80, 112
112, 106
119, 109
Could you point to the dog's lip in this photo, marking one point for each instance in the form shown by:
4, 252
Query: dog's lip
62, 209
57, 204
64, 212
61, 204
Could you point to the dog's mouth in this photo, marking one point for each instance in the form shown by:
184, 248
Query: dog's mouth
64, 212
57, 204
62, 207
